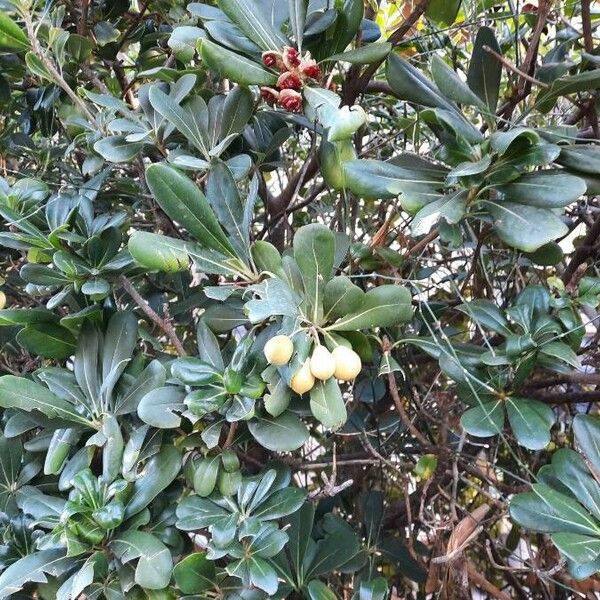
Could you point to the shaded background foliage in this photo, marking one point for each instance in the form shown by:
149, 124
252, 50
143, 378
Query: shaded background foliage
416, 181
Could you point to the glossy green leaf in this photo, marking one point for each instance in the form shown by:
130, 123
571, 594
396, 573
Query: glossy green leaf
545, 189
548, 511
162, 407
442, 11
484, 420
158, 252
25, 316
190, 119
195, 574
117, 149
341, 297
364, 55
248, 16
235, 67
584, 158
297, 11
281, 503
262, 575
154, 566
374, 589
410, 84
183, 41
570, 468
21, 393
580, 82
225, 200
587, 431
12, 37
314, 252
183, 201
452, 208
485, 70
530, 421
525, 227
47, 339
339, 546
158, 473
451, 85
34, 567
327, 404
378, 179
11, 455
561, 351
487, 314
195, 512
383, 306
317, 590
283, 433
579, 548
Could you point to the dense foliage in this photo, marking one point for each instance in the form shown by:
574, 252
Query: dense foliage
299, 299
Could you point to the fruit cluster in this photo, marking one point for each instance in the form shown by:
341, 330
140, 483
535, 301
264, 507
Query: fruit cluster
295, 72
222, 471
342, 363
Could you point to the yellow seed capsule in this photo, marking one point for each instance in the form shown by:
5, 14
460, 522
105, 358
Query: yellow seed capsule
347, 363
2, 300
303, 381
279, 350
322, 363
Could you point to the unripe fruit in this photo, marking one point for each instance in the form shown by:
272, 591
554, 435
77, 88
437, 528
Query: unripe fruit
2, 300
278, 350
303, 381
322, 363
347, 363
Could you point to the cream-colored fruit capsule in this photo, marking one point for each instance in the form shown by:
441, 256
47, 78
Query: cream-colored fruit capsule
2, 300
279, 350
347, 363
322, 363
303, 381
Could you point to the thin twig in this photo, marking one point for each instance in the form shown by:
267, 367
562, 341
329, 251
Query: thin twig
421, 244
165, 324
402, 412
512, 67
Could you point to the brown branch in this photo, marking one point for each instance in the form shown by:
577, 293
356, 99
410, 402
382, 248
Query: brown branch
354, 87
82, 24
402, 412
165, 324
134, 24
523, 87
512, 67
480, 581
583, 252
528, 65
574, 377
586, 26
421, 244
230, 435
277, 206
568, 397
